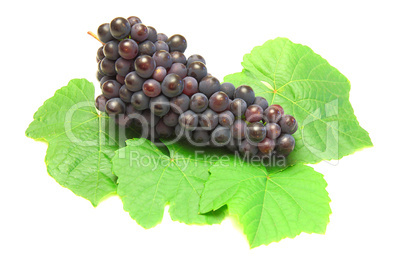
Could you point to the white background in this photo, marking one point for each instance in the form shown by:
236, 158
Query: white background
44, 44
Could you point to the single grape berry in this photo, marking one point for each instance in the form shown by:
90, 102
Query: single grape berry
238, 107
226, 118
161, 45
163, 58
104, 33
273, 130
111, 50
145, 66
110, 89
261, 101
190, 86
120, 79
208, 120
247, 149
272, 114
139, 32
201, 136
100, 103
198, 102
221, 136
188, 120
177, 43
115, 106
171, 119
229, 89
147, 47
209, 85
134, 82
197, 69
285, 144
159, 73
128, 49
99, 54
179, 57
180, 104
219, 102
239, 129
120, 28
140, 101
123, 66
133, 20
172, 85
254, 113
149, 119
288, 124
107, 67
280, 108
246, 93
194, 58
160, 105
256, 132
162, 37
125, 94
151, 88
266, 146
152, 34
162, 130
179, 69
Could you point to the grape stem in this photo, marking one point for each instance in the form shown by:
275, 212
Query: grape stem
95, 37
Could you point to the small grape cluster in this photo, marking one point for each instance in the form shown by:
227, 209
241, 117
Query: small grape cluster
148, 82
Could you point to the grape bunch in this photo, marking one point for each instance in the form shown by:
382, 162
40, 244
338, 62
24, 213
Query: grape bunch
148, 82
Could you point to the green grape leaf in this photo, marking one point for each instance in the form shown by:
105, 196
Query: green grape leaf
270, 204
81, 141
311, 90
148, 180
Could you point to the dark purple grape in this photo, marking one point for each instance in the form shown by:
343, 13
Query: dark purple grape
162, 58
256, 132
219, 102
209, 85
266, 146
285, 144
288, 124
239, 129
162, 37
139, 32
159, 105
120, 28
197, 69
161, 45
159, 73
107, 67
280, 108
190, 86
99, 75
104, 79
99, 54
115, 106
194, 58
272, 114
198, 102
177, 43
172, 85
226, 118
123, 66
110, 89
133, 20
149, 118
111, 50
221, 136
104, 33
179, 57
151, 88
100, 103
162, 130
261, 101
273, 130
201, 136
140, 101
208, 120
147, 47
125, 94
179, 69
171, 119
254, 113
152, 34
179, 131
246, 93
145, 66
133, 113
247, 149
180, 104
128, 49
188, 120
120, 79
238, 107
134, 82
229, 89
